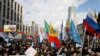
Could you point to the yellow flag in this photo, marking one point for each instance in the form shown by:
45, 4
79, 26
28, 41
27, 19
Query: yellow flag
52, 31
68, 23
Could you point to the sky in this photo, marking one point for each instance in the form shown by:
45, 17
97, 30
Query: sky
55, 11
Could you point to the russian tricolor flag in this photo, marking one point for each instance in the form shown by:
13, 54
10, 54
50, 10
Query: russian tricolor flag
91, 26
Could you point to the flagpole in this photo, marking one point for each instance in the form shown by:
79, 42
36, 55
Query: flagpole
88, 40
93, 40
97, 41
82, 42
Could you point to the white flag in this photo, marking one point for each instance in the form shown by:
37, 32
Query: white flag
30, 51
41, 34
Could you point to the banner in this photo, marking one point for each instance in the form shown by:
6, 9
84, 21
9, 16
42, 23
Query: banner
9, 28
30, 52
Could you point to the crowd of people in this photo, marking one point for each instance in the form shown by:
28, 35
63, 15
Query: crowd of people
44, 48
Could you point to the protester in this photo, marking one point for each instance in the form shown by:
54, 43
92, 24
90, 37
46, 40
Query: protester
44, 48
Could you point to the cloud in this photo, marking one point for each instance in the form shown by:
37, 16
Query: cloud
53, 11
80, 16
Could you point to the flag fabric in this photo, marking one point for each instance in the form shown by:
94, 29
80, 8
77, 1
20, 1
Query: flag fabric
91, 26
98, 19
78, 45
53, 37
4, 36
30, 51
10, 36
94, 39
46, 27
92, 16
74, 33
96, 16
61, 33
40, 35
53, 44
89, 29
37, 36
68, 26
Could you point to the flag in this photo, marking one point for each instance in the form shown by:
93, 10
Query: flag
53, 37
74, 33
46, 27
94, 39
91, 26
53, 44
61, 33
89, 29
10, 36
37, 35
92, 16
78, 45
96, 16
98, 20
4, 36
40, 35
68, 26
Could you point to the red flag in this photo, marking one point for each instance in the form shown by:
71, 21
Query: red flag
90, 29
53, 37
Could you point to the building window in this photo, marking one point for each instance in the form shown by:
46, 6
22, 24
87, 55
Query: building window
0, 7
14, 16
26, 28
4, 1
17, 26
8, 13
4, 11
21, 9
21, 16
20, 27
18, 7
20, 20
15, 23
11, 14
23, 28
3, 23
29, 28
18, 17
11, 23
8, 2
15, 6
12, 3
7, 22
